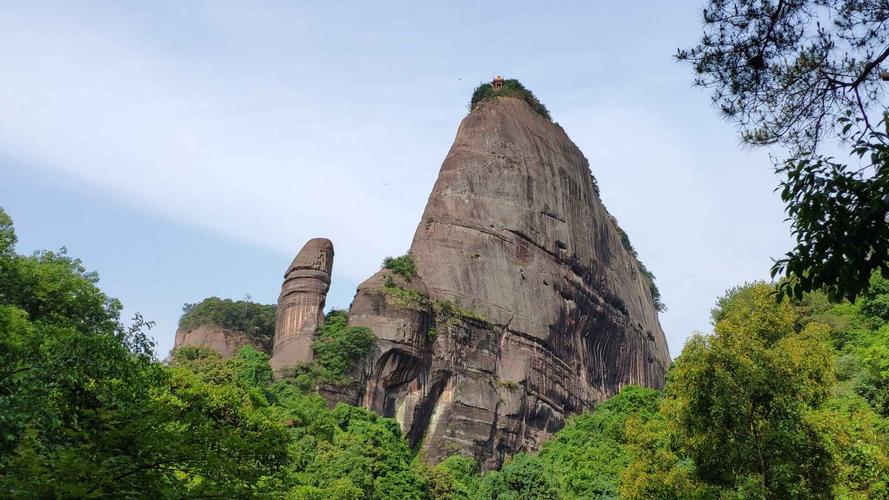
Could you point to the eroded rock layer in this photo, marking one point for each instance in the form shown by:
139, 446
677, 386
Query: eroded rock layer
301, 304
527, 307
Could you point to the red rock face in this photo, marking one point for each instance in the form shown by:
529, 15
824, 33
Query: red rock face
224, 341
301, 304
530, 307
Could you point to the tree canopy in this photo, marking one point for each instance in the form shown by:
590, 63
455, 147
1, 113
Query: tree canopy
786, 70
785, 399
755, 410
797, 72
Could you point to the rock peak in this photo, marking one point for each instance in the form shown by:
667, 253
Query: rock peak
499, 87
527, 306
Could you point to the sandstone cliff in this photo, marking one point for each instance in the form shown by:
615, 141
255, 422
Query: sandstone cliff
222, 340
527, 306
301, 304
226, 325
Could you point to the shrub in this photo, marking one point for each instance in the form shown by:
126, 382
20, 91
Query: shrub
586, 458
511, 88
338, 346
404, 265
403, 298
448, 312
524, 476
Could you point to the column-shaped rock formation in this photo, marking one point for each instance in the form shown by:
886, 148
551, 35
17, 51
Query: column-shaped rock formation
301, 304
528, 306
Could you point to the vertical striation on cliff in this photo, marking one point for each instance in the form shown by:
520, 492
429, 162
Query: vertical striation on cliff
301, 304
527, 306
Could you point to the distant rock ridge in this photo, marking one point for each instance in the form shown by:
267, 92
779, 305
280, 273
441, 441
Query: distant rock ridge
226, 325
225, 341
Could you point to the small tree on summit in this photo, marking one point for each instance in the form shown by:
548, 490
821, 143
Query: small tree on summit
506, 88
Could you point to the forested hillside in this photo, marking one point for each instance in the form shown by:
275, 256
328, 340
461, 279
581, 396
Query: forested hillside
785, 399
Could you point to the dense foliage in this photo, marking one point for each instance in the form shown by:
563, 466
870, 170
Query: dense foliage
755, 410
796, 72
257, 321
346, 452
586, 458
337, 349
86, 412
404, 265
338, 346
784, 400
839, 215
511, 88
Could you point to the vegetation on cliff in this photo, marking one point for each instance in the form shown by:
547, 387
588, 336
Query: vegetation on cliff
784, 399
257, 321
337, 349
403, 265
338, 346
511, 88
653, 290
443, 312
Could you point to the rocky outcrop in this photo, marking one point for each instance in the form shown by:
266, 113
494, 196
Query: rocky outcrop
527, 307
301, 304
222, 340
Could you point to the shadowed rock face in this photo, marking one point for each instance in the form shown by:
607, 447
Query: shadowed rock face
527, 307
301, 304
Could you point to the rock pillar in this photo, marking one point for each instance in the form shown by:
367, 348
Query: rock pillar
301, 305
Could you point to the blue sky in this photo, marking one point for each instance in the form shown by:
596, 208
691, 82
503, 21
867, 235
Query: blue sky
189, 149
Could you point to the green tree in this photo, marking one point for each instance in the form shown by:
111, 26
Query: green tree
740, 397
659, 467
404, 265
522, 477
85, 411
794, 72
752, 411
586, 458
73, 384
860, 341
221, 439
455, 478
367, 451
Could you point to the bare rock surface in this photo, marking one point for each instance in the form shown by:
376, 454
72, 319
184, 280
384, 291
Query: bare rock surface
222, 340
301, 304
527, 307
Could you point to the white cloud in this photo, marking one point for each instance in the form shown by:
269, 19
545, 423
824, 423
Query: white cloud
264, 163
263, 126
